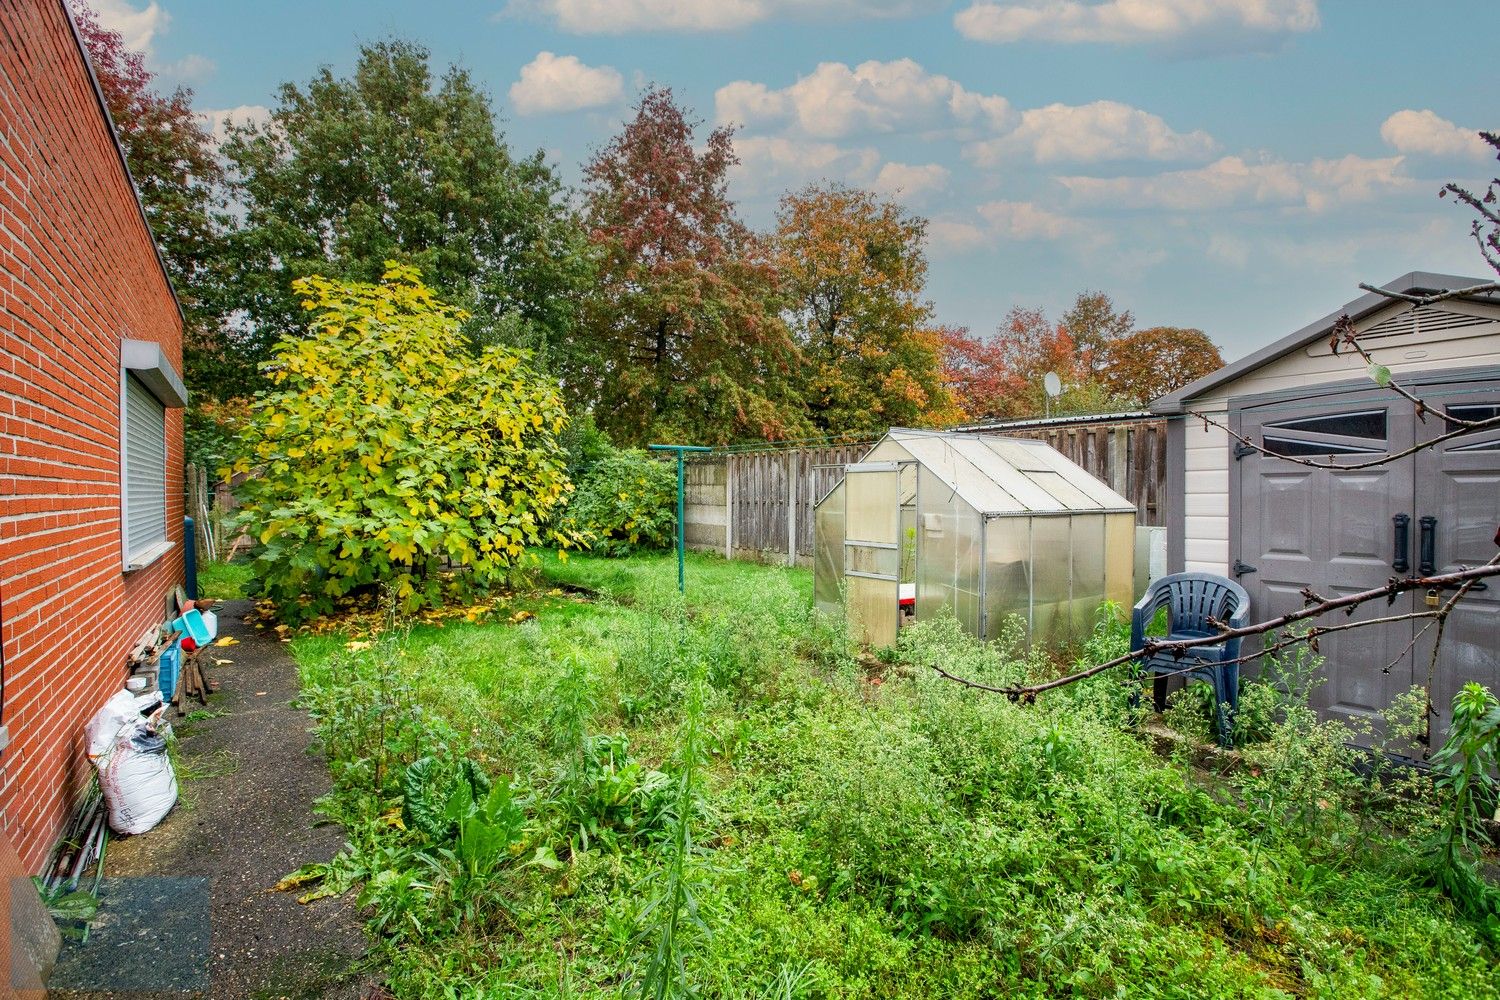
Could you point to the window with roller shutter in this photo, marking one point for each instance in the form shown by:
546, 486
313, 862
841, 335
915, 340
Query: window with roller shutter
144, 512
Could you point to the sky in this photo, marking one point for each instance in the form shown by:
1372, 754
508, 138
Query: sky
1238, 166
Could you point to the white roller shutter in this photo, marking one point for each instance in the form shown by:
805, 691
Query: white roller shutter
144, 513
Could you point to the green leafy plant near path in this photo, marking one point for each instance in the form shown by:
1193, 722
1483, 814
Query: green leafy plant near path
386, 453
826, 825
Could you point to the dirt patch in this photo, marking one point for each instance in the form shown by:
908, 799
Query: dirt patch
236, 831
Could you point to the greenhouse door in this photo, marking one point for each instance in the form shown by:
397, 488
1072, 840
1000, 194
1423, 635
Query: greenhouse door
1341, 532
872, 551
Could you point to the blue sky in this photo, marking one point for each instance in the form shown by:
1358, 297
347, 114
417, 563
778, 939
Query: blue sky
1234, 165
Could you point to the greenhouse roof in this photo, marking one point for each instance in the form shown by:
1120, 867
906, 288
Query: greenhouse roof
1001, 475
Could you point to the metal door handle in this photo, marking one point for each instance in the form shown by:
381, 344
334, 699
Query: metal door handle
1428, 544
1402, 531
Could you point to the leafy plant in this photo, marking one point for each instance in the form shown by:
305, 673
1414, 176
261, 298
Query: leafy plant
626, 501
385, 455
1464, 769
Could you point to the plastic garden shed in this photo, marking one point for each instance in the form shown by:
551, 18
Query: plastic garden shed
988, 526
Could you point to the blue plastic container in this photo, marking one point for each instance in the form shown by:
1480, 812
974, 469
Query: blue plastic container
169, 664
193, 624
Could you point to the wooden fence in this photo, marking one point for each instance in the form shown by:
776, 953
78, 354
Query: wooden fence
748, 505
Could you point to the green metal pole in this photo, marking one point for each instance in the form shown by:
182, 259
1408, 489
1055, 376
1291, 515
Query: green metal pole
680, 450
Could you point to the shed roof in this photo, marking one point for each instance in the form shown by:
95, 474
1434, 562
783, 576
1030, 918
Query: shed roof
1007, 476
1411, 283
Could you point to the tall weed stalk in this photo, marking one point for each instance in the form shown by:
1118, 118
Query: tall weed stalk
670, 917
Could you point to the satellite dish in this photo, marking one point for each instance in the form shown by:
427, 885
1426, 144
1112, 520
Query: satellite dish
1053, 384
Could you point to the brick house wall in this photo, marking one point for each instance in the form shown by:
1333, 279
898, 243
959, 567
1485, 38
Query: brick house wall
78, 275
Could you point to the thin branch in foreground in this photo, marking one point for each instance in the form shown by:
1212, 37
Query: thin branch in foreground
1439, 296
1178, 648
1469, 428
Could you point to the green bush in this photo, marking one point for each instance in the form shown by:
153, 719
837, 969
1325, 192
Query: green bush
387, 455
626, 501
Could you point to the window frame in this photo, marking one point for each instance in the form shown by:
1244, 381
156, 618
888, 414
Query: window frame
144, 362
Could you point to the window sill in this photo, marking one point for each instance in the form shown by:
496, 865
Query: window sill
146, 557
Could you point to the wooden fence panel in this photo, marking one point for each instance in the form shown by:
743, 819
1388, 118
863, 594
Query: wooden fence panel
749, 504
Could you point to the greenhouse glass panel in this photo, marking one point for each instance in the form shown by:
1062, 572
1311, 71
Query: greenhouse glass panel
870, 503
1007, 571
828, 551
1051, 569
937, 527
1088, 571
872, 610
1119, 559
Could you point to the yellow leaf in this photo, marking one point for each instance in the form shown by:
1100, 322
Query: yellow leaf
227, 640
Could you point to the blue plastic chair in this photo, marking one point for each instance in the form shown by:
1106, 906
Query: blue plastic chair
1191, 599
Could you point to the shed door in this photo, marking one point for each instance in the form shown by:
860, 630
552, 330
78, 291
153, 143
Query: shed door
1330, 531
872, 556
1458, 484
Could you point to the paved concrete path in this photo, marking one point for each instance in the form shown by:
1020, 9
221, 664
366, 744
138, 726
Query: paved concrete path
236, 831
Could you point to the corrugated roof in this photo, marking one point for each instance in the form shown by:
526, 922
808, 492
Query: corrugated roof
1006, 476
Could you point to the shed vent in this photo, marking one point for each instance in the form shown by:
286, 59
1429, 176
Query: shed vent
1413, 323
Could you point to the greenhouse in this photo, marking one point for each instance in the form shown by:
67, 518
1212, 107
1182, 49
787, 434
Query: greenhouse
985, 525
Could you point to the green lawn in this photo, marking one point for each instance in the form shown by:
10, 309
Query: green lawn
714, 793
224, 581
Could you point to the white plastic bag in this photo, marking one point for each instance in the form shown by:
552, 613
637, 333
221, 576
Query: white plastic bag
134, 772
139, 784
104, 728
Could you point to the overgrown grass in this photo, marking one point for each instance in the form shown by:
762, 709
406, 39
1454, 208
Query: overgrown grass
224, 581
714, 794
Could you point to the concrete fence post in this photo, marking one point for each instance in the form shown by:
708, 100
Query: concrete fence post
791, 508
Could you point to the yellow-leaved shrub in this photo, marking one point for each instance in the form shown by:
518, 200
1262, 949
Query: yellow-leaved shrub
387, 453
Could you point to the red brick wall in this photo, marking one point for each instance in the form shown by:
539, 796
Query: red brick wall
77, 276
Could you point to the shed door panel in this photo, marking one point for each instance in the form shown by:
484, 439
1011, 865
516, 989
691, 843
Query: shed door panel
1331, 531
1458, 483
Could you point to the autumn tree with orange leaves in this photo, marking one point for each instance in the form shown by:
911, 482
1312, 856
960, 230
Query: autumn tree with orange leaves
688, 344
1153, 362
853, 270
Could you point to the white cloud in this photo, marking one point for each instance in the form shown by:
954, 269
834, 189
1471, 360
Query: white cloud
618, 16
835, 101
910, 182
954, 236
1022, 220
997, 222
1424, 132
552, 83
1235, 24
191, 68
773, 164
1087, 133
137, 28
1233, 182
217, 120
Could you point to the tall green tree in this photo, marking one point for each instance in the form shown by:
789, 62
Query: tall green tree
854, 269
176, 173
1093, 323
393, 164
688, 345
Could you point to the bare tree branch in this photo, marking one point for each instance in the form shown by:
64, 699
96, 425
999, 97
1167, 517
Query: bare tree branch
1440, 296
1469, 427
1464, 579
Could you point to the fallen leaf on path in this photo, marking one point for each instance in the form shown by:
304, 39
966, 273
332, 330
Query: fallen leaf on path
227, 640
260, 694
222, 663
